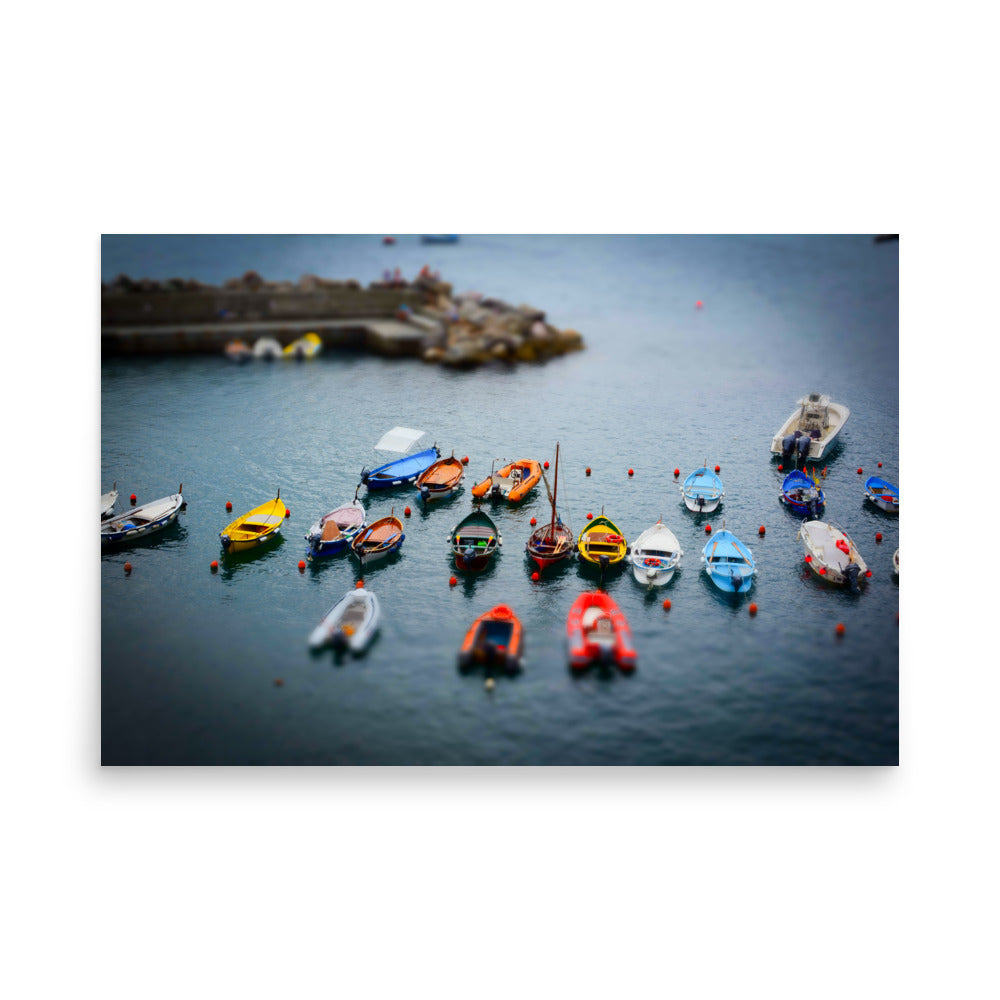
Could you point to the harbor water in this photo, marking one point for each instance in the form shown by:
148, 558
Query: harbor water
697, 349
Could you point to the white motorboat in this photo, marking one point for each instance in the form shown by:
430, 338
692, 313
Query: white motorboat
832, 555
350, 624
267, 348
811, 430
655, 555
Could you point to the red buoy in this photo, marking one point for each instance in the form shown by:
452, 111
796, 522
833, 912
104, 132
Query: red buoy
128, 567
677, 472
860, 471
229, 505
760, 531
878, 536
535, 577
589, 516
868, 573
214, 566
781, 468
697, 305
302, 565
708, 529
840, 628
407, 512
588, 470
288, 512
452, 581
533, 522
880, 465
753, 609
359, 584
545, 464
631, 471
666, 604
717, 469
809, 559
822, 571
278, 682
131, 499
465, 460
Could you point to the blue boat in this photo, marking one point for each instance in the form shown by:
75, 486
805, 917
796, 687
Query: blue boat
439, 239
801, 494
883, 494
702, 491
729, 563
400, 472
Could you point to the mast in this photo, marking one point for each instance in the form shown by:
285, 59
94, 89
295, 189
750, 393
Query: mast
555, 490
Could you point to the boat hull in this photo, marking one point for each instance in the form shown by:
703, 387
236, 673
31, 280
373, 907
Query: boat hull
598, 632
401, 472
882, 494
350, 624
702, 491
655, 556
728, 563
440, 480
141, 522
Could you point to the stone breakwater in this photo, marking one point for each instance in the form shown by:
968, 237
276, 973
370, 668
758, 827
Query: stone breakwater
420, 318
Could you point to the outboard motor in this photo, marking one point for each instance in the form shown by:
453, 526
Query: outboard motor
364, 477
813, 506
853, 573
787, 446
701, 502
338, 640
802, 446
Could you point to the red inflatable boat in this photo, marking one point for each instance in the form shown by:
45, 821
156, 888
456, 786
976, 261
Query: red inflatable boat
597, 632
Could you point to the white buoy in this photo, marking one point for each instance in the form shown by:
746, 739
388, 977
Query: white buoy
490, 683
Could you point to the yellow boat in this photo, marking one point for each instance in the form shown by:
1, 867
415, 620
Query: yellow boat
254, 528
601, 543
307, 346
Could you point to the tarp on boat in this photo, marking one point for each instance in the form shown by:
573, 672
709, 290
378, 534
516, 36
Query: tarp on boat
399, 439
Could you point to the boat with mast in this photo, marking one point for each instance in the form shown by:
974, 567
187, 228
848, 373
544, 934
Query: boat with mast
553, 542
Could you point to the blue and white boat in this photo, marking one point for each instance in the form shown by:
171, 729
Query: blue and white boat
334, 532
883, 494
141, 521
702, 491
401, 471
801, 494
729, 563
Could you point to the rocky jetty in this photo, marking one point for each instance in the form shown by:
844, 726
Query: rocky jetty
461, 331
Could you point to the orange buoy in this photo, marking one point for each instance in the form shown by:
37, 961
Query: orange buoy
666, 604
532, 522
359, 584
407, 512
545, 464
840, 628
128, 567
131, 499
302, 565
452, 581
631, 471
535, 577
878, 536
465, 460
590, 516
708, 529
229, 505
760, 531
214, 565
278, 682
588, 470
717, 469
753, 609
698, 304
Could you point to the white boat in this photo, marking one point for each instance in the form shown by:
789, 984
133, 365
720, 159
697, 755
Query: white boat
811, 430
108, 501
655, 555
895, 562
832, 555
350, 624
141, 521
267, 348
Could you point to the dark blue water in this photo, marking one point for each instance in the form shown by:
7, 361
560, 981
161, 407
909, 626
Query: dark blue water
189, 659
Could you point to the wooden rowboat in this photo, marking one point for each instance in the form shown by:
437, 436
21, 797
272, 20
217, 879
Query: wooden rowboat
440, 480
142, 521
379, 540
601, 543
702, 491
729, 563
474, 541
494, 639
553, 542
250, 530
655, 555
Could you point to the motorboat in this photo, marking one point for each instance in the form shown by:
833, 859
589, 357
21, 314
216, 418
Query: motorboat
832, 555
142, 521
809, 433
598, 632
400, 471
801, 494
513, 482
494, 640
267, 349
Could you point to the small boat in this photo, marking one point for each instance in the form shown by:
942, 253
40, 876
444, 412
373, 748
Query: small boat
267, 349
438, 239
601, 543
306, 346
598, 632
108, 501
702, 491
238, 351
655, 555
494, 639
400, 471
832, 555
441, 479
260, 525
512, 483
474, 541
143, 520
895, 562
883, 494
553, 542
801, 494
811, 429
350, 624
728, 563
334, 532
380, 539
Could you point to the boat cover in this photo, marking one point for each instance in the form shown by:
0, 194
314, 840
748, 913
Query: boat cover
399, 439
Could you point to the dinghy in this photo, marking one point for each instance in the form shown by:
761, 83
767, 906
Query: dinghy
238, 351
305, 347
895, 562
494, 639
801, 494
552, 542
655, 555
474, 541
350, 624
728, 563
512, 483
334, 532
597, 632
380, 539
141, 521
440, 480
883, 494
108, 501
811, 429
266, 349
832, 555
250, 530
601, 543
702, 491
401, 471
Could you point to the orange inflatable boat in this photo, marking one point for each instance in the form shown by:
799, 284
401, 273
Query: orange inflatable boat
513, 482
493, 640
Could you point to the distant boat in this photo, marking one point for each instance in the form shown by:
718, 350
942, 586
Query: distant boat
350, 624
267, 349
474, 541
438, 239
553, 542
832, 555
400, 471
655, 555
598, 632
238, 351
811, 430
895, 562
512, 483
728, 563
380, 539
334, 532
250, 530
494, 639
440, 480
305, 347
702, 491
142, 521
883, 494
108, 501
801, 494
